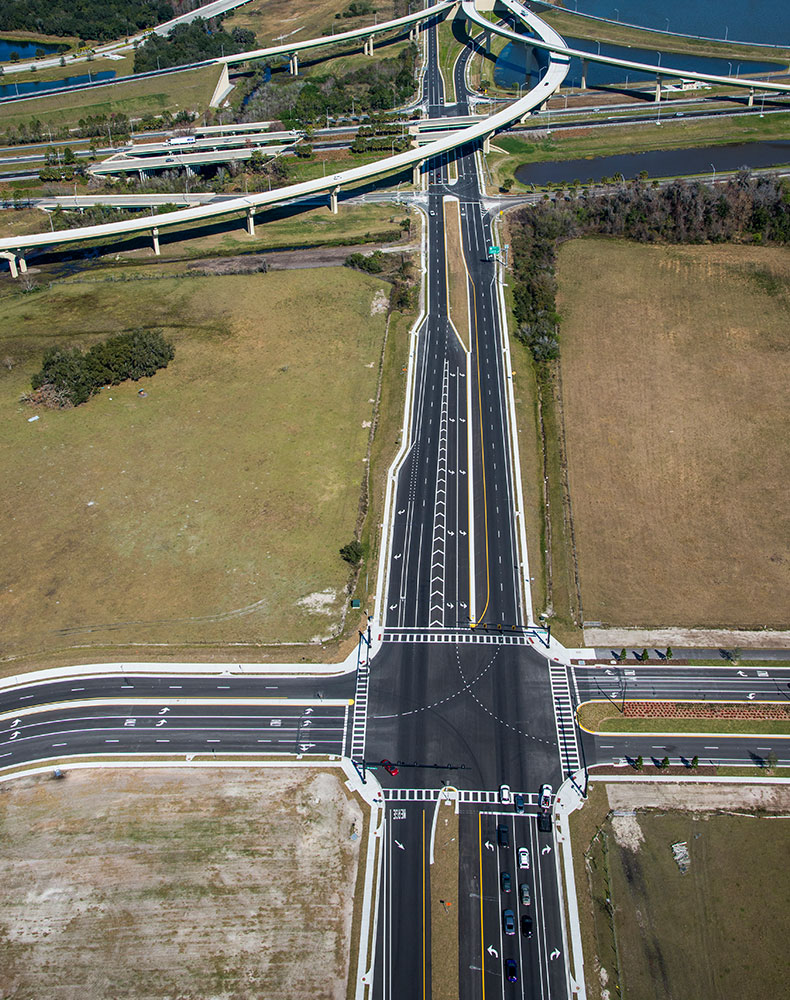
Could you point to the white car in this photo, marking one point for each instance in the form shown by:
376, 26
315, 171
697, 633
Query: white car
523, 857
505, 796
545, 797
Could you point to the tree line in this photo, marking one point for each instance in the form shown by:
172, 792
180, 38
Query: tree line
746, 208
191, 43
102, 20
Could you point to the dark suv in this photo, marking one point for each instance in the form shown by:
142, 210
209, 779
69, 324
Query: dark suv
503, 835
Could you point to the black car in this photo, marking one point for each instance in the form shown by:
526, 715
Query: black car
508, 922
511, 970
503, 835
526, 925
518, 802
504, 881
544, 822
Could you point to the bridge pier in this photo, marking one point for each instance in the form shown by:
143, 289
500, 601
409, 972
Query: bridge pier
155, 237
413, 32
416, 171
487, 43
22, 264
369, 46
293, 64
585, 64
333, 200
250, 222
11, 258
658, 89
751, 97
486, 144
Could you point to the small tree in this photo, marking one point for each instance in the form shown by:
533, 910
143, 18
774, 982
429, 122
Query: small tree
669, 652
507, 183
623, 654
639, 763
645, 654
771, 761
664, 764
352, 553
62, 60
695, 761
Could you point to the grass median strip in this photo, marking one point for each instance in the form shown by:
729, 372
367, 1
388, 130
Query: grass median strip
444, 905
609, 717
457, 276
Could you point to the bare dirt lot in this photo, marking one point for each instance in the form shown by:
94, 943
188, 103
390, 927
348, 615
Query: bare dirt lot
675, 365
653, 931
194, 883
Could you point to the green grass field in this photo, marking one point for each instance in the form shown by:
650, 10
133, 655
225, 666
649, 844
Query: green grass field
211, 511
652, 933
190, 90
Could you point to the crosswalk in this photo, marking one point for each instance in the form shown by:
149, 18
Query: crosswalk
454, 636
478, 798
360, 720
565, 719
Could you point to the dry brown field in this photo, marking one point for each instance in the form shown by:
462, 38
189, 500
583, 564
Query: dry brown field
675, 367
455, 267
178, 883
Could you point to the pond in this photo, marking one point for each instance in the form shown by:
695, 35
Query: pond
42, 86
658, 163
25, 50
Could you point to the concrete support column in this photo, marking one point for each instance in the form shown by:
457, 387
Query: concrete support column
155, 237
751, 97
658, 89
487, 144
413, 34
584, 74
369, 46
250, 222
416, 171
22, 264
293, 64
333, 200
11, 264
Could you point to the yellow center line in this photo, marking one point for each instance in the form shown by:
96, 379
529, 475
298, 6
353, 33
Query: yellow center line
482, 454
482, 939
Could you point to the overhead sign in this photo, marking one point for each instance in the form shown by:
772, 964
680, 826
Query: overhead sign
494, 249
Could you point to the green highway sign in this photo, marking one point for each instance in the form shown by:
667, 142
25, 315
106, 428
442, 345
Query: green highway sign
494, 249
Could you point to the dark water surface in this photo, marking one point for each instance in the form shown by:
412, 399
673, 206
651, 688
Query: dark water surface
659, 163
25, 50
34, 87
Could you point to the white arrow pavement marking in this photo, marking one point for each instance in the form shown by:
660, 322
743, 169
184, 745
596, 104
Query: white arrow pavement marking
163, 711
399, 844
489, 845
308, 711
306, 723
742, 673
751, 695
546, 850
304, 747
14, 735
403, 511
398, 555
393, 606
492, 951
161, 723
555, 954
462, 533
15, 723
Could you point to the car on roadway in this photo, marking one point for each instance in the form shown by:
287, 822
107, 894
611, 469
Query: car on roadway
504, 795
523, 857
518, 802
503, 835
545, 797
504, 881
508, 922
432, 212
523, 891
511, 970
389, 767
544, 822
526, 925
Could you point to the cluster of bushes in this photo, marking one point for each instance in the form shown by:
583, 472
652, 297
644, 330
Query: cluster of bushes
190, 43
746, 208
401, 273
103, 20
68, 378
369, 263
357, 8
93, 126
373, 143
114, 126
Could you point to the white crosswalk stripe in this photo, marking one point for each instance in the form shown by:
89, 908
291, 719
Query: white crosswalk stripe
497, 637
564, 717
479, 798
359, 724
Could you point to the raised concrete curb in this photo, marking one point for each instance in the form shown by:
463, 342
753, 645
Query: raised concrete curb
568, 800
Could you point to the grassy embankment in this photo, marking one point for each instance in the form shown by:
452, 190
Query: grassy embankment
457, 277
642, 920
299, 20
209, 513
121, 66
588, 143
190, 90
607, 717
668, 355
546, 518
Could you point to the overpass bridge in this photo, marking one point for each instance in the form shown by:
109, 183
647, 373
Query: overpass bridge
540, 35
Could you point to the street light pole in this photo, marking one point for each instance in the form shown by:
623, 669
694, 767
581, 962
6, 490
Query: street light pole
714, 174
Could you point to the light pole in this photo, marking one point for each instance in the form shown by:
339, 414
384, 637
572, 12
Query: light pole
616, 14
729, 69
667, 27
726, 32
762, 106
714, 174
